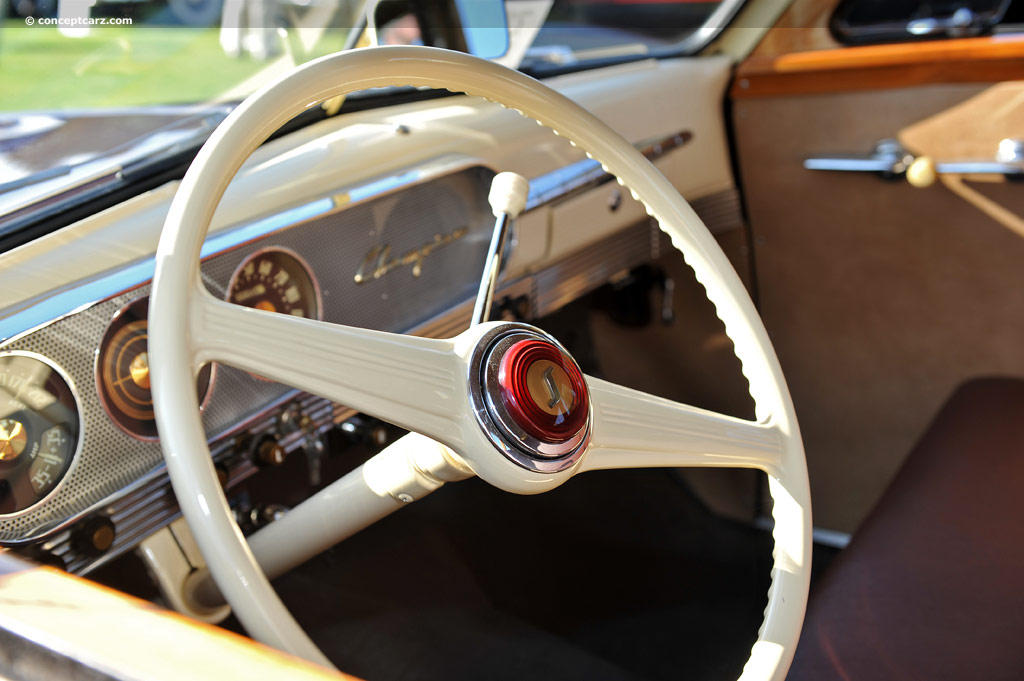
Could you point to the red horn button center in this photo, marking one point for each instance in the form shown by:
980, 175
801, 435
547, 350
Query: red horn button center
543, 391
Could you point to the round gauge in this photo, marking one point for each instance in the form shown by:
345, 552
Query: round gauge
40, 429
122, 372
276, 280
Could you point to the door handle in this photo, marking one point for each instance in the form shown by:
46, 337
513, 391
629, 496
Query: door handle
959, 24
890, 160
1009, 160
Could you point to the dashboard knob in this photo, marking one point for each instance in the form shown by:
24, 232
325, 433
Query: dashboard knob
95, 536
269, 452
508, 194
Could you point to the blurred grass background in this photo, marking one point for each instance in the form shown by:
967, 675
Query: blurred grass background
122, 66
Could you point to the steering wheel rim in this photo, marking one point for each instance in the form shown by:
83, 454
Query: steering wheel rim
178, 293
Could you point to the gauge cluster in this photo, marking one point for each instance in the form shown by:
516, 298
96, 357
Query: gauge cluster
78, 434
46, 416
78, 438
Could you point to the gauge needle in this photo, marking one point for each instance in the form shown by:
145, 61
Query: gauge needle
138, 372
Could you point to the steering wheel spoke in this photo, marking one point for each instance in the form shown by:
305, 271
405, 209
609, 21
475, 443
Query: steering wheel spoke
409, 381
407, 470
633, 429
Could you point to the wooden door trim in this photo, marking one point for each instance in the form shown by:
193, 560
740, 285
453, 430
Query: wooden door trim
877, 67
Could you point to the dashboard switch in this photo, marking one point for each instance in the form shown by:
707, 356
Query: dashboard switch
269, 452
95, 536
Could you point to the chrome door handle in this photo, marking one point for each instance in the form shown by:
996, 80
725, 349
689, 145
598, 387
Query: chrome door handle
890, 160
959, 24
1009, 160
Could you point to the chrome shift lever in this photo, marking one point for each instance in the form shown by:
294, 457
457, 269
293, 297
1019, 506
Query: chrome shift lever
507, 198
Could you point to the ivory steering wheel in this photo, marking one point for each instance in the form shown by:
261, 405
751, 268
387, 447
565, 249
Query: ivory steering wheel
472, 399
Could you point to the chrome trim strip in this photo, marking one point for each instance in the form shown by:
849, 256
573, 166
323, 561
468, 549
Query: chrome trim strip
221, 444
556, 185
578, 177
151, 506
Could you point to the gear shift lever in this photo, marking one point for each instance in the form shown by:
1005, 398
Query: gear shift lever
507, 198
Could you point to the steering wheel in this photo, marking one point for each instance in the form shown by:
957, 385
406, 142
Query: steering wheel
501, 401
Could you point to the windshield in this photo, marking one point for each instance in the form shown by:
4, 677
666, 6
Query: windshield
89, 88
93, 91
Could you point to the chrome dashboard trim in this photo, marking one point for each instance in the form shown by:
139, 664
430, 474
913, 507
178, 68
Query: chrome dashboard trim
157, 475
578, 177
150, 503
461, 192
553, 186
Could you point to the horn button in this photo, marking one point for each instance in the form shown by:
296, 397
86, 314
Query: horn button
543, 391
532, 400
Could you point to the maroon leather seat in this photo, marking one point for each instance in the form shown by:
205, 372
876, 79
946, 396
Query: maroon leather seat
932, 585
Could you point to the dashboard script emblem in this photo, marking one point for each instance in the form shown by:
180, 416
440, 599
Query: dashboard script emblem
378, 261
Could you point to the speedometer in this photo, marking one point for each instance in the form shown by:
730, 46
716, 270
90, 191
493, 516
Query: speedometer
276, 280
40, 429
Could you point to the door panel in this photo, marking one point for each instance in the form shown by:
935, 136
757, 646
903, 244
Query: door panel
880, 298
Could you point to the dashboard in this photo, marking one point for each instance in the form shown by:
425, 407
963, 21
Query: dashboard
81, 472
392, 271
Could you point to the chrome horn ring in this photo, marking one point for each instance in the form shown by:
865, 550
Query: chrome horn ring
494, 417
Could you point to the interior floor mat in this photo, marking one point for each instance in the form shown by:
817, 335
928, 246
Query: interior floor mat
615, 575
